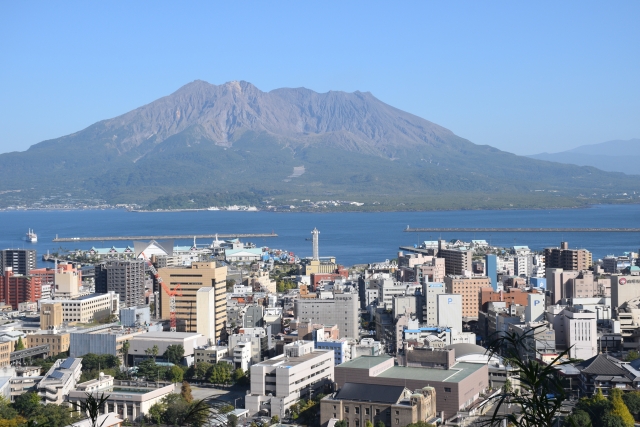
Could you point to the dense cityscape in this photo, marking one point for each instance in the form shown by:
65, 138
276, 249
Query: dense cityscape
155, 332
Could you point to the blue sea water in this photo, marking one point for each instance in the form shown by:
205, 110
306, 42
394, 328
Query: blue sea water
351, 237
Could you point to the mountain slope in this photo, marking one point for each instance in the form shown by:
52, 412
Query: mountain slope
613, 156
235, 139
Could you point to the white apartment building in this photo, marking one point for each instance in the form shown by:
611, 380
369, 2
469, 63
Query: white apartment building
430, 309
577, 330
257, 337
212, 354
130, 400
85, 308
61, 378
278, 383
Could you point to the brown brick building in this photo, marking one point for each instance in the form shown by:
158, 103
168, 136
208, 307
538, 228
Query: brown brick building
456, 388
15, 289
393, 405
510, 296
469, 288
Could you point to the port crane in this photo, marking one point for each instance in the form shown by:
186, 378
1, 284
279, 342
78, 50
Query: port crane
172, 293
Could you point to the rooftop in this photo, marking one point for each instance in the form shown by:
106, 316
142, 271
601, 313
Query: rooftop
370, 393
167, 335
287, 362
455, 374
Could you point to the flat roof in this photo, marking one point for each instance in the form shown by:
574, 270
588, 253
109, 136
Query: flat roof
364, 362
284, 362
455, 374
169, 335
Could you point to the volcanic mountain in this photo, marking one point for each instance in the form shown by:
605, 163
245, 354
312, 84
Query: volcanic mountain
233, 142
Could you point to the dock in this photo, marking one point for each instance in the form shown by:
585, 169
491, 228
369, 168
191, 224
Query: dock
176, 237
521, 230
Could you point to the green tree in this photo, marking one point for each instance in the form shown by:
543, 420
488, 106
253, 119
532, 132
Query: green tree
341, 423
631, 356
197, 414
153, 352
174, 354
156, 412
27, 404
232, 420
225, 409
150, 370
174, 374
611, 420
220, 373
239, 376
380, 424
632, 400
6, 411
19, 344
185, 392
578, 418
618, 408
202, 370
275, 419
368, 423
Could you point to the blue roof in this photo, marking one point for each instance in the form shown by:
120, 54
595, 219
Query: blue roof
57, 374
67, 363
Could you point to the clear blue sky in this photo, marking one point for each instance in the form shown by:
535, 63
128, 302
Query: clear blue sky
525, 77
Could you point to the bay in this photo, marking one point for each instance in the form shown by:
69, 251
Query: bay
351, 237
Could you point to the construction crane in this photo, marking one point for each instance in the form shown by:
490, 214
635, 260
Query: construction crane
172, 293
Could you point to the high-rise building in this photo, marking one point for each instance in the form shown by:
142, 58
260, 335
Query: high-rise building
20, 260
124, 277
18, 288
430, 291
450, 311
491, 269
469, 288
567, 259
342, 310
457, 260
191, 279
50, 315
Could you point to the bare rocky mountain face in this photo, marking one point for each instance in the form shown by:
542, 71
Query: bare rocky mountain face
355, 122
292, 143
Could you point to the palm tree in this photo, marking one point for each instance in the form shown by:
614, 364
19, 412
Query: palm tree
125, 352
197, 414
91, 406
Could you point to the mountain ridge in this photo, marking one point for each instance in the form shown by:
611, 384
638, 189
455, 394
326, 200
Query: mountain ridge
235, 138
613, 156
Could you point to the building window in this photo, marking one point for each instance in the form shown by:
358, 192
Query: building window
447, 390
377, 411
357, 409
397, 412
346, 409
397, 420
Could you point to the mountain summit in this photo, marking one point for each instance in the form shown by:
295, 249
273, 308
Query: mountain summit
222, 114
292, 143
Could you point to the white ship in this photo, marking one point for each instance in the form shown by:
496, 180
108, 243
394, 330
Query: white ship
31, 236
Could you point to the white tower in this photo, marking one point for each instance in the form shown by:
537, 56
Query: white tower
315, 233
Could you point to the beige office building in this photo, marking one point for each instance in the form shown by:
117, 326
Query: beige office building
191, 280
469, 288
58, 342
50, 315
